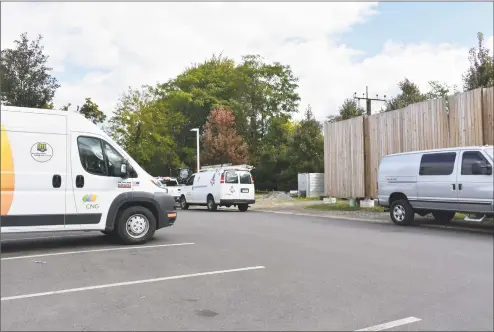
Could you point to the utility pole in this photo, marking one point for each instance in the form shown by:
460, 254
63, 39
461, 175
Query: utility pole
368, 100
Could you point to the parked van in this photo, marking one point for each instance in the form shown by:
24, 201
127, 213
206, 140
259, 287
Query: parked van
60, 172
441, 182
220, 185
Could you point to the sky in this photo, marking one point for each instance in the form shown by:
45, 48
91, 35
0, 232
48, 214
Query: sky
100, 49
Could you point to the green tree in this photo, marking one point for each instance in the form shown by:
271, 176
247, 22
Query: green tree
348, 110
91, 111
65, 107
25, 78
305, 150
480, 74
410, 94
144, 126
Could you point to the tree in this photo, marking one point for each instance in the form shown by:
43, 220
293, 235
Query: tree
348, 110
25, 78
222, 144
91, 111
305, 150
65, 107
147, 129
410, 94
480, 74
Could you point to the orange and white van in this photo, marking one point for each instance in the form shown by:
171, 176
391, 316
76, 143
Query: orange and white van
60, 172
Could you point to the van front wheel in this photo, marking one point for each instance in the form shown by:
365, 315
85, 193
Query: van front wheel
136, 225
211, 204
401, 212
183, 203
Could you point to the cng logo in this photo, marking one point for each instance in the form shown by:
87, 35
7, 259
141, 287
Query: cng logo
90, 199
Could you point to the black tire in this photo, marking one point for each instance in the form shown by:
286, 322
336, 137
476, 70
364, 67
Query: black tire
183, 203
443, 217
243, 207
143, 220
211, 204
401, 212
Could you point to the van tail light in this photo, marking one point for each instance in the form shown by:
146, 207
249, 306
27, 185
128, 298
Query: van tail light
252, 179
222, 180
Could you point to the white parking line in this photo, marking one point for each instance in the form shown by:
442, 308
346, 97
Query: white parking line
72, 290
392, 324
96, 250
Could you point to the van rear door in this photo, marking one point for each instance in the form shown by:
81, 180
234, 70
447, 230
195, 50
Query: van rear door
230, 189
246, 186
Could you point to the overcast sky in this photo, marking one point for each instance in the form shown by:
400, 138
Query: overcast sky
98, 49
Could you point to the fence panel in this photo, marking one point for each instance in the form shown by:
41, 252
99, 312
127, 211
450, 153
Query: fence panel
344, 171
465, 119
488, 115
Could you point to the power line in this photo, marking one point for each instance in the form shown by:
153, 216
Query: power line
368, 100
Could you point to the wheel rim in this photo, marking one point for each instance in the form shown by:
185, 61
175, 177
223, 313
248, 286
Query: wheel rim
399, 213
137, 226
182, 202
210, 204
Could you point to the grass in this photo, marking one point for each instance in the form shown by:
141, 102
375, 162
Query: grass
343, 206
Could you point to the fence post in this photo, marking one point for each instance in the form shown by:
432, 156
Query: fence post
367, 159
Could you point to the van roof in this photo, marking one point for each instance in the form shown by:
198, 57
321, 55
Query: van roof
443, 149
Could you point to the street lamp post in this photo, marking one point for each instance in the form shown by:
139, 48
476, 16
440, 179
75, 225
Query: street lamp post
197, 146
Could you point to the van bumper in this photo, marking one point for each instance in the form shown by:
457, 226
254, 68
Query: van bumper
236, 201
167, 210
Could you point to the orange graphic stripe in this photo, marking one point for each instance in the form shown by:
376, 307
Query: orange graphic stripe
7, 176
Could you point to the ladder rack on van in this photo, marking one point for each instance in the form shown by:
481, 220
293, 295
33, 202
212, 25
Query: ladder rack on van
243, 167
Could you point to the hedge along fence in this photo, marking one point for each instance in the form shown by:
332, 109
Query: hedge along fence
353, 149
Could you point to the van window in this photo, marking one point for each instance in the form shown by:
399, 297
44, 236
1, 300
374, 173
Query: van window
468, 159
245, 178
190, 182
231, 177
113, 158
91, 155
437, 163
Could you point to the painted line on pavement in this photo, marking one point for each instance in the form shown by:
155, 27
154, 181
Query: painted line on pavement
96, 250
128, 283
392, 324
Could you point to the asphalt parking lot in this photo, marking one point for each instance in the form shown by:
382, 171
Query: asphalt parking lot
251, 271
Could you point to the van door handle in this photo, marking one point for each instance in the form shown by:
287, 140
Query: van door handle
460, 186
454, 186
56, 181
79, 181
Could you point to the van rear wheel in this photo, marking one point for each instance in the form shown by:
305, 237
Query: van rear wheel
136, 225
401, 212
443, 217
243, 207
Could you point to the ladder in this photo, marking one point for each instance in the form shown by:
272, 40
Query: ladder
243, 167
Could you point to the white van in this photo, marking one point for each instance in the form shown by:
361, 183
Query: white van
60, 172
220, 185
441, 182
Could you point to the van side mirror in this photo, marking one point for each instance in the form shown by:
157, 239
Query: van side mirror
123, 169
479, 168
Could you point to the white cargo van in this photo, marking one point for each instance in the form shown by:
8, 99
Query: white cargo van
60, 172
220, 185
441, 182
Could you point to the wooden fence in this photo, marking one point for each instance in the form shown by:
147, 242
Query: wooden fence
354, 148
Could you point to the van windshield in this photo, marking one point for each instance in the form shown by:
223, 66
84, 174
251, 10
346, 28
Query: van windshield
490, 152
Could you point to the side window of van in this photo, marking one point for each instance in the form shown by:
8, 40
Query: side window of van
91, 155
437, 163
469, 158
231, 177
245, 178
190, 182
